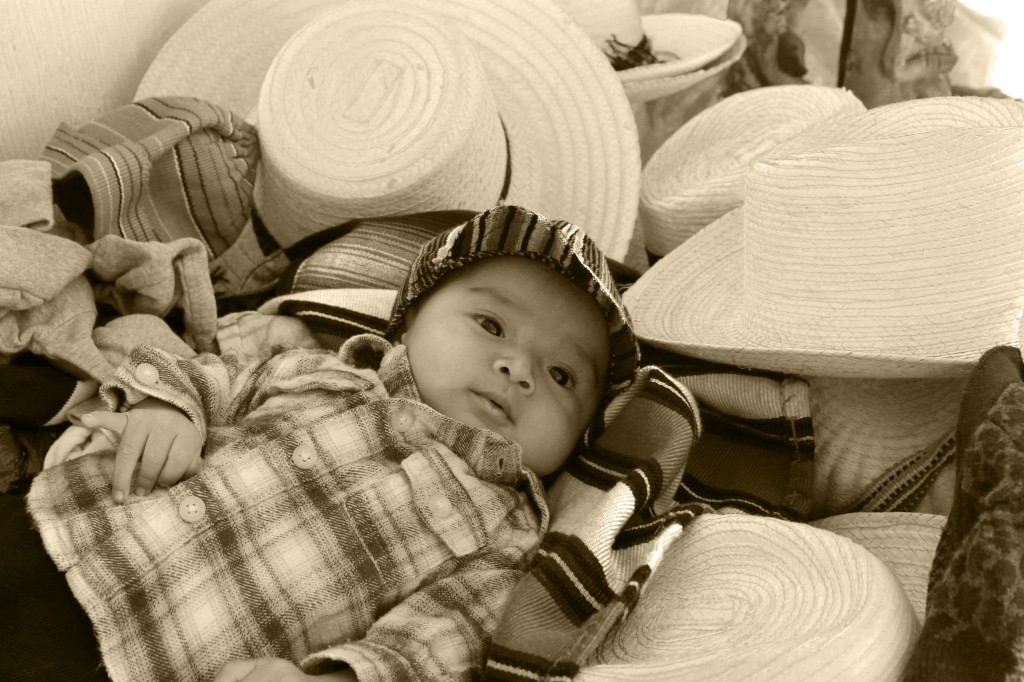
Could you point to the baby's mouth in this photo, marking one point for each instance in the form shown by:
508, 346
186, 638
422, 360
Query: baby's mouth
493, 408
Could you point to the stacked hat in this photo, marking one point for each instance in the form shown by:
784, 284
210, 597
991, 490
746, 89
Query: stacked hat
739, 597
657, 54
696, 175
368, 109
886, 244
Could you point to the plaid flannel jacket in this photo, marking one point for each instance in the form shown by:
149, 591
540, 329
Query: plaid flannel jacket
336, 519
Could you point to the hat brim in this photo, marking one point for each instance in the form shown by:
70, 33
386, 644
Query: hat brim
722, 606
655, 82
691, 302
572, 136
904, 541
695, 40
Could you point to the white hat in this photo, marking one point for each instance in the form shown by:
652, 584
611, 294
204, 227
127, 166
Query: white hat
367, 108
696, 176
683, 44
905, 541
881, 444
741, 597
888, 243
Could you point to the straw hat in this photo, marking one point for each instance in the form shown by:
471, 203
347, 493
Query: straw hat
751, 598
367, 109
682, 43
905, 541
888, 243
696, 175
881, 444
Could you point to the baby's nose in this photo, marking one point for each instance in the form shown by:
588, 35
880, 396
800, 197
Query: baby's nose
517, 369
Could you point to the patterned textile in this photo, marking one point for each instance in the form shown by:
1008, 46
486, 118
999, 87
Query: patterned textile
757, 451
336, 519
974, 618
165, 168
364, 254
613, 515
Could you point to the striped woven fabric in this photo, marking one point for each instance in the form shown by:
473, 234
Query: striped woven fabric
613, 513
161, 169
165, 168
757, 452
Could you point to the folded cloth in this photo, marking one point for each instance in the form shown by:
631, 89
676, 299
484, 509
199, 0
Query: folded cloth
974, 617
167, 168
46, 304
119, 336
26, 199
153, 278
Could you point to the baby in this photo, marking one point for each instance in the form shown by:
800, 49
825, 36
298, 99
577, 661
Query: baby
355, 515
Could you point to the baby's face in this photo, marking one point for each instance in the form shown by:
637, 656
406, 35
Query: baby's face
508, 344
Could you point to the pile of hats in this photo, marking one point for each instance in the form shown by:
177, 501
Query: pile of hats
796, 232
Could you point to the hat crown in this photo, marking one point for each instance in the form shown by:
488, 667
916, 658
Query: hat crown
370, 111
866, 244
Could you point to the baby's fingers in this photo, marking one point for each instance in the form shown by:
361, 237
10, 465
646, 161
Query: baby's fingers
133, 444
182, 461
154, 459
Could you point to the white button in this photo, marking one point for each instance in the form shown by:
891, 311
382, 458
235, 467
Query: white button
403, 420
304, 456
441, 506
191, 508
147, 374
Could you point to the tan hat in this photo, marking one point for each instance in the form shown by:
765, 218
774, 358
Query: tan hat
368, 109
696, 176
752, 598
679, 45
888, 243
905, 541
880, 444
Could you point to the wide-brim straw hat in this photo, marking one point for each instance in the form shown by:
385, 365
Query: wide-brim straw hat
682, 43
740, 597
696, 175
904, 541
369, 109
888, 243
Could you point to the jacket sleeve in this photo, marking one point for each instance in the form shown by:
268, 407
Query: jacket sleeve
217, 390
440, 631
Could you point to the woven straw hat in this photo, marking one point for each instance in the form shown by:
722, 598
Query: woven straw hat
888, 243
905, 541
751, 598
881, 444
683, 43
368, 109
696, 176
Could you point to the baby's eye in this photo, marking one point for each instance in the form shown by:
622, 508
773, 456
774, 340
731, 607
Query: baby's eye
490, 326
560, 376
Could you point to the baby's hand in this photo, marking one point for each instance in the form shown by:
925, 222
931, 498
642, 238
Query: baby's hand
165, 439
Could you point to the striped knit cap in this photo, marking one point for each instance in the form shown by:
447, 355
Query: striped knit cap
517, 231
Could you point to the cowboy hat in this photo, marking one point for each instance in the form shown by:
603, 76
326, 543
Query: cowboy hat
677, 44
882, 244
741, 597
696, 175
368, 109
